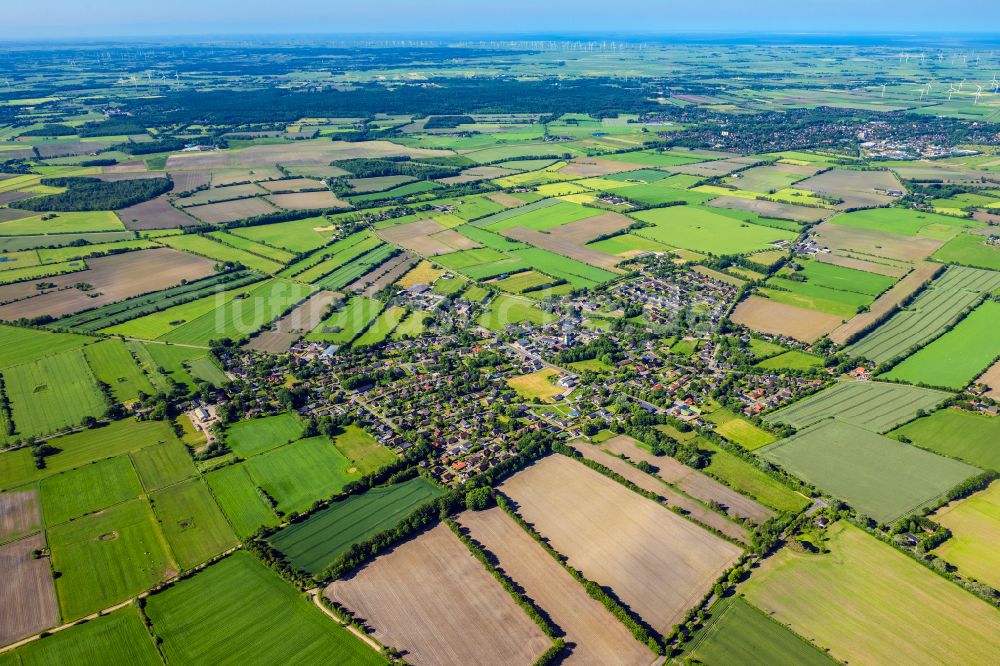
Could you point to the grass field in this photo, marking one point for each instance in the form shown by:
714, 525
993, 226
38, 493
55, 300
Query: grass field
792, 360
878, 476
906, 222
745, 478
536, 385
275, 624
52, 393
843, 304
192, 523
217, 251
900, 611
505, 310
163, 464
313, 544
116, 639
381, 327
112, 364
62, 223
844, 279
740, 431
739, 633
969, 250
248, 438
975, 527
88, 489
366, 454
957, 434
706, 230
240, 500
344, 325
23, 345
875, 406
958, 356
107, 557
295, 236
184, 364
298, 474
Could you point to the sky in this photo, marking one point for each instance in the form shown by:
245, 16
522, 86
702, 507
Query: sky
124, 19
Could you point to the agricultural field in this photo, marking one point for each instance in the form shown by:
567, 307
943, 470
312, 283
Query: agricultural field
505, 310
792, 360
875, 406
311, 545
298, 474
878, 476
975, 528
768, 316
249, 438
191, 522
708, 230
969, 250
620, 539
28, 597
957, 434
537, 385
901, 611
431, 598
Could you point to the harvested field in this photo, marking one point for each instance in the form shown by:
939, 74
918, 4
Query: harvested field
8, 214
856, 188
991, 379
506, 200
593, 635
114, 277
230, 211
765, 316
292, 185
781, 211
307, 200
383, 275
128, 175
899, 611
884, 304
427, 238
690, 480
27, 597
975, 526
695, 510
155, 214
875, 243
430, 598
70, 148
845, 261
294, 325
656, 562
185, 181
586, 230
220, 194
377, 183
19, 513
554, 242
300, 153
712, 168
591, 167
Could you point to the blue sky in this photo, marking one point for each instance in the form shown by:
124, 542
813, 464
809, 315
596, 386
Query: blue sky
136, 18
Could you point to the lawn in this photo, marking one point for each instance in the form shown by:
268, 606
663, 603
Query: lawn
248, 438
738, 633
706, 230
975, 527
900, 612
740, 431
504, 310
116, 639
299, 474
313, 544
958, 356
957, 434
878, 476
163, 464
238, 611
365, 454
876, 406
52, 393
240, 500
88, 489
747, 479
536, 385
765, 349
106, 558
969, 250
112, 364
792, 360
192, 522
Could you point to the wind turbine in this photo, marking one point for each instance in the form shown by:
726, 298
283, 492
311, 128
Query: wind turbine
951, 91
995, 84
883, 90
979, 93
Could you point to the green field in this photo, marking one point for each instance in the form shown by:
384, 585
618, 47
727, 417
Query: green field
875, 406
740, 431
112, 364
106, 558
878, 476
62, 223
504, 310
163, 464
706, 230
738, 633
975, 527
958, 356
155, 325
52, 393
185, 364
624, 245
843, 304
906, 222
957, 434
238, 611
18, 467
116, 639
659, 193
295, 236
253, 247
248, 438
366, 454
747, 479
344, 325
240, 500
211, 248
575, 272
313, 544
832, 276
900, 612
299, 474
87, 489
792, 360
23, 345
380, 329
969, 250
192, 523
765, 349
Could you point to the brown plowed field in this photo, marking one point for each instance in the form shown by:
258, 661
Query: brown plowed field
856, 188
293, 185
583, 231
115, 277
698, 512
229, 211
299, 153
554, 242
27, 597
432, 599
991, 378
896, 271
506, 200
19, 513
155, 214
713, 168
593, 635
185, 181
476, 173
427, 238
655, 561
294, 325
876, 243
773, 209
591, 167
882, 305
691, 481
760, 314
307, 200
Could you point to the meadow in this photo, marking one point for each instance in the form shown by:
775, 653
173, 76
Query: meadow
969, 250
877, 476
248, 438
311, 545
343, 325
975, 528
706, 230
739, 430
504, 310
537, 385
792, 360
22, 345
957, 434
87, 489
112, 364
240, 499
191, 522
162, 465
298, 474
217, 251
